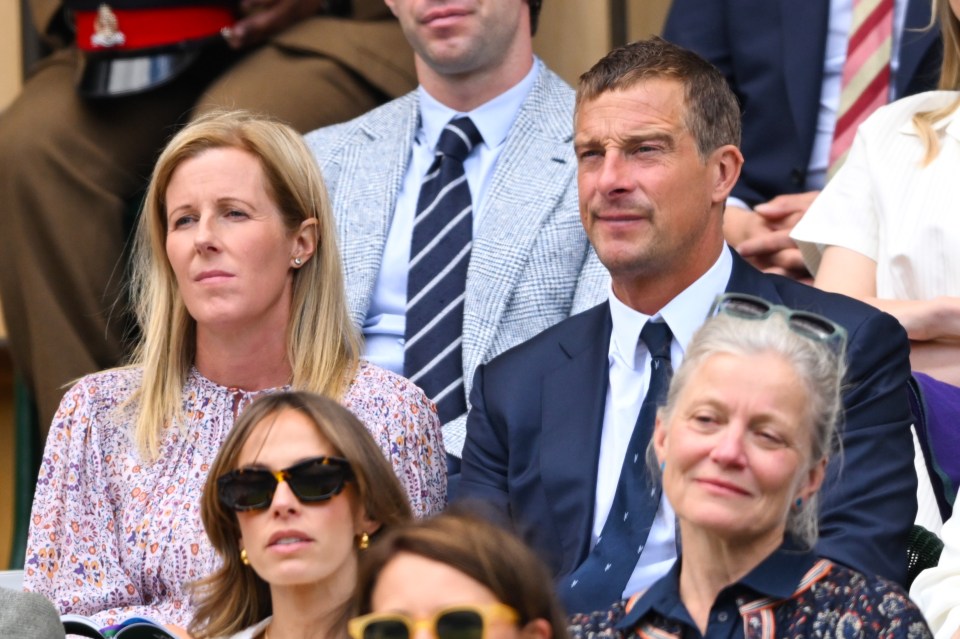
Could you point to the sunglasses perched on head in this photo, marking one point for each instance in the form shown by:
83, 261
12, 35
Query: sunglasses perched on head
313, 480
458, 622
805, 323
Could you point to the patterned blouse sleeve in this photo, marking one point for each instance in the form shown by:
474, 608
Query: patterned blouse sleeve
404, 422
72, 556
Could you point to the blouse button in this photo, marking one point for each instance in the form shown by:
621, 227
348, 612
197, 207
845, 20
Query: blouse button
722, 617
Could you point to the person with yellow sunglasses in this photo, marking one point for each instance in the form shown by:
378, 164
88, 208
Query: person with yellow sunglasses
454, 576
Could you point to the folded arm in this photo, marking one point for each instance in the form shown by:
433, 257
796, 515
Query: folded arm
932, 325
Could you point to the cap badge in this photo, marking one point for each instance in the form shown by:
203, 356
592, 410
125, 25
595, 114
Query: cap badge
106, 29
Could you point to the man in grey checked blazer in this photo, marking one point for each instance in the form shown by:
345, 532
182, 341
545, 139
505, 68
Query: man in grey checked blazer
530, 263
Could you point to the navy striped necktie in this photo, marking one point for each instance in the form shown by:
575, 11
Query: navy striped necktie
602, 577
439, 255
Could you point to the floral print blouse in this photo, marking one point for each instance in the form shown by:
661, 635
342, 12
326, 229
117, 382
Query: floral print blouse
113, 535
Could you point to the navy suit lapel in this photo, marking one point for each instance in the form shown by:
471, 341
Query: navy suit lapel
574, 396
804, 31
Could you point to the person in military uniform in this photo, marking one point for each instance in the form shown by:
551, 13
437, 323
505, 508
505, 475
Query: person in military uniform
74, 158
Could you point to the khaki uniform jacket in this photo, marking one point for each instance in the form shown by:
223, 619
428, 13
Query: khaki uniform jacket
367, 44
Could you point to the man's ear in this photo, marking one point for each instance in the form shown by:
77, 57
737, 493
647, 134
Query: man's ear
727, 161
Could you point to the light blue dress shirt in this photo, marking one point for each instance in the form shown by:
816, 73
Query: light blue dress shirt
383, 328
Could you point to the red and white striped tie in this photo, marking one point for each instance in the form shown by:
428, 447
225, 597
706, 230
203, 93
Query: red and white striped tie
866, 73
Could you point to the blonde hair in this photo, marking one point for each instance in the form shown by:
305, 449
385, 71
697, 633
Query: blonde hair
234, 596
322, 343
949, 80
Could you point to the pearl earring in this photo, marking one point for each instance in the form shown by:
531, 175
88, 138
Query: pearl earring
297, 261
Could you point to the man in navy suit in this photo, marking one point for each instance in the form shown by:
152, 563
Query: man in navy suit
656, 138
783, 60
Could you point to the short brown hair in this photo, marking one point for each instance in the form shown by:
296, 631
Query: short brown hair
234, 596
477, 548
713, 113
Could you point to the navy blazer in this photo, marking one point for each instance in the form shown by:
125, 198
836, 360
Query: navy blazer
533, 433
772, 54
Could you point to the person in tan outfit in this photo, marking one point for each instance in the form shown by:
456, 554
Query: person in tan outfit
72, 168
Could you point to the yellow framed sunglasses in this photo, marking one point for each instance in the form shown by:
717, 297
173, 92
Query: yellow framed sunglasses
455, 622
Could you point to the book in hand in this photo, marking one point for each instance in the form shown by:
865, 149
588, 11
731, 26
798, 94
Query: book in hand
132, 628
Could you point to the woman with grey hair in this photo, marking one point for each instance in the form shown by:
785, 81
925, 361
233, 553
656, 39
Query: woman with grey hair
741, 448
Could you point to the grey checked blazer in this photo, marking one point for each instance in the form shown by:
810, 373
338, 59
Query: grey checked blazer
531, 264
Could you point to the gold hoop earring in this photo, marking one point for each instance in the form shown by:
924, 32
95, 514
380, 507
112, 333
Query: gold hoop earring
364, 542
243, 557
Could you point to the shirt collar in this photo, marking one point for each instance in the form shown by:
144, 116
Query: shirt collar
683, 314
950, 124
777, 576
493, 119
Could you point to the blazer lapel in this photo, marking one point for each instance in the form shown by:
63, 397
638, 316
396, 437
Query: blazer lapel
534, 170
804, 34
574, 397
371, 174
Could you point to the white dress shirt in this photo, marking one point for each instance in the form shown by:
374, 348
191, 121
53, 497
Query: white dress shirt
383, 328
629, 362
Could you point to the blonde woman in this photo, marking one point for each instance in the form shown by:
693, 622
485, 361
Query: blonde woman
885, 229
239, 293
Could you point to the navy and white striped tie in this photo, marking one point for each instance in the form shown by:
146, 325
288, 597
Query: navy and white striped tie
439, 255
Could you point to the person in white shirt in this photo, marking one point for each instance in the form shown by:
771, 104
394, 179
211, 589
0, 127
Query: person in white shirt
885, 231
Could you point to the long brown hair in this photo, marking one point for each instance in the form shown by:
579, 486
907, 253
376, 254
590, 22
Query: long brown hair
322, 344
234, 596
482, 551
